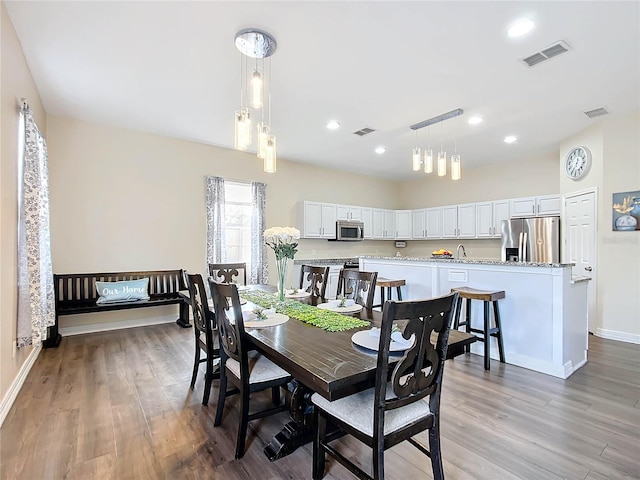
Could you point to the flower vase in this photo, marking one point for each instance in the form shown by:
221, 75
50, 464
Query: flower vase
281, 266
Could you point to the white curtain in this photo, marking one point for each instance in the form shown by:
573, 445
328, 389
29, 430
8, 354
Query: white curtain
259, 265
36, 305
216, 253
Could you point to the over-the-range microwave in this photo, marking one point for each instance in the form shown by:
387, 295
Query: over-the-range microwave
349, 231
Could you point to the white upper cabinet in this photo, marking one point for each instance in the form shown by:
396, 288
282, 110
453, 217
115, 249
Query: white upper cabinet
367, 219
418, 229
548, 205
459, 221
383, 224
318, 220
403, 224
490, 216
535, 206
433, 222
348, 212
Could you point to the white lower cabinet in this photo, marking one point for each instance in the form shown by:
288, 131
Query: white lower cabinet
332, 281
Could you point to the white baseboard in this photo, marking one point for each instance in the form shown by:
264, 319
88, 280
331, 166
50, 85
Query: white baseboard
108, 326
620, 336
14, 389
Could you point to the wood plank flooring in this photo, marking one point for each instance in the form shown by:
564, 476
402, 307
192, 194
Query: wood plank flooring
117, 405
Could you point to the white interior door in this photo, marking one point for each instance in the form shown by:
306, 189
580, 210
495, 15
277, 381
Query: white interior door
580, 228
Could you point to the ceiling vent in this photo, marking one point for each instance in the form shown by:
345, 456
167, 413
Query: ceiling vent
364, 131
549, 52
596, 112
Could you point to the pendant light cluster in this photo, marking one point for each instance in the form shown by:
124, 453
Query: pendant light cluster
418, 162
254, 96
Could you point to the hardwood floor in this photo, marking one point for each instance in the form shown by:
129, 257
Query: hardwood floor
117, 405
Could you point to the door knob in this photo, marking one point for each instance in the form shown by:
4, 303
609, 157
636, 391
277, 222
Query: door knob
588, 269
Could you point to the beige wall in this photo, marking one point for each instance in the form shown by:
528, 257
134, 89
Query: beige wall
493, 182
16, 83
615, 147
126, 200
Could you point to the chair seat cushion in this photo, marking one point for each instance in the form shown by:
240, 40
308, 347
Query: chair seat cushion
260, 367
357, 410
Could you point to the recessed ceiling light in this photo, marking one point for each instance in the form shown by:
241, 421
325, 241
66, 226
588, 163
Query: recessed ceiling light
380, 150
510, 139
475, 120
333, 125
520, 27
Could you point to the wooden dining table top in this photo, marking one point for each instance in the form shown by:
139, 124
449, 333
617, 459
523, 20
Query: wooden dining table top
329, 363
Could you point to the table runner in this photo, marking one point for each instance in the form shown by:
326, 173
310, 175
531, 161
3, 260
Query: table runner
324, 319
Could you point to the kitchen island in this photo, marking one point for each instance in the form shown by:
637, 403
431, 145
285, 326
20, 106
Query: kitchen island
544, 314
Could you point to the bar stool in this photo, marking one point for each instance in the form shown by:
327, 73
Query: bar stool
389, 285
487, 297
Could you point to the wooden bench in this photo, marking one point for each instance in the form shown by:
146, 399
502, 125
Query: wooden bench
76, 293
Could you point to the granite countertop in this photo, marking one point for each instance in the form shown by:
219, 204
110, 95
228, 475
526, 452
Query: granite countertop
324, 261
469, 261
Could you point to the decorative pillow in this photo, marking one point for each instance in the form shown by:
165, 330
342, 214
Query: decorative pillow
127, 291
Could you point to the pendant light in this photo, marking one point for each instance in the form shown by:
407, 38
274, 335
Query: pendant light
442, 157
455, 162
441, 165
256, 44
428, 158
416, 156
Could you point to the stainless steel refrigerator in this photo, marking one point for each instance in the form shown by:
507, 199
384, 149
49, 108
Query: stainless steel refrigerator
531, 240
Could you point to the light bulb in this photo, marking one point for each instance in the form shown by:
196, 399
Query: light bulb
428, 160
242, 129
442, 164
416, 159
256, 90
270, 155
263, 132
455, 167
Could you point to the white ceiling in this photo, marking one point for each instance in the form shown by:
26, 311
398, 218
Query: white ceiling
172, 68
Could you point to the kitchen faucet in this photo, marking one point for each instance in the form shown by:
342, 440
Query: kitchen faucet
464, 252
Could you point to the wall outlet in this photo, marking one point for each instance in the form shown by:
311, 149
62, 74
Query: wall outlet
14, 348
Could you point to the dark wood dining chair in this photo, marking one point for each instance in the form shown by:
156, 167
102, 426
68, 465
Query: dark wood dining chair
357, 285
206, 334
246, 369
314, 280
394, 410
228, 272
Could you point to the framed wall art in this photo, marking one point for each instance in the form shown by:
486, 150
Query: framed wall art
626, 211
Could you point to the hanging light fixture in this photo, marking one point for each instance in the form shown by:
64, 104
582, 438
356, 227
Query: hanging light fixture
442, 155
255, 43
455, 162
416, 160
270, 155
428, 158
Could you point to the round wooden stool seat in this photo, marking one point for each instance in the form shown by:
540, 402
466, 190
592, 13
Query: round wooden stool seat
475, 294
489, 298
389, 284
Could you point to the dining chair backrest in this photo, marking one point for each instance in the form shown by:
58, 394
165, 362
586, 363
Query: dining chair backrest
314, 280
357, 285
203, 317
418, 373
228, 312
228, 272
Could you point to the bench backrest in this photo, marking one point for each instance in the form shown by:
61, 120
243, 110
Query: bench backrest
80, 288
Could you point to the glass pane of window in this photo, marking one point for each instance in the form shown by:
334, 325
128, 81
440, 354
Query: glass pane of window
238, 222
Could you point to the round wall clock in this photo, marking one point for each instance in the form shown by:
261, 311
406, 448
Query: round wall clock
577, 163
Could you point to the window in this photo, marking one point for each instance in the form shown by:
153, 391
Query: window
237, 222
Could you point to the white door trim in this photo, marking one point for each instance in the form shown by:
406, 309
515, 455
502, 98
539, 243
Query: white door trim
579, 193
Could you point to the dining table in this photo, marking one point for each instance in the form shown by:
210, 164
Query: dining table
325, 362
